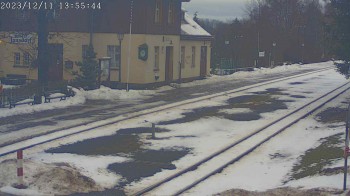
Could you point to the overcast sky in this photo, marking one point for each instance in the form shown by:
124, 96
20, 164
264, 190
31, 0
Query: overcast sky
217, 9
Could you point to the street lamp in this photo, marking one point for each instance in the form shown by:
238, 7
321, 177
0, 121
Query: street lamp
129, 50
120, 38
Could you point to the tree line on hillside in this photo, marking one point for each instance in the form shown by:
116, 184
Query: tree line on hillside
279, 31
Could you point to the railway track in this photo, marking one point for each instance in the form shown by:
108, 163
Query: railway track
59, 133
191, 176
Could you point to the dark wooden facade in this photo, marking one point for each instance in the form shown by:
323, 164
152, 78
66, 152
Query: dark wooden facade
114, 17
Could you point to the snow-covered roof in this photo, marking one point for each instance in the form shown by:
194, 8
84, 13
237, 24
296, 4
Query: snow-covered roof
190, 27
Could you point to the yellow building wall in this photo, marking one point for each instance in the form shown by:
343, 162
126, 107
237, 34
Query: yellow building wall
189, 71
140, 72
7, 50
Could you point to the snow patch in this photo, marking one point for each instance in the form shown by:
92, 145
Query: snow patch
14, 191
235, 110
94, 167
105, 93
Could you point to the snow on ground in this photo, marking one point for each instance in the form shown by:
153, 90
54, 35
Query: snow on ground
205, 136
80, 97
26, 192
42, 177
211, 134
235, 110
260, 171
94, 167
332, 181
258, 73
106, 93
270, 166
4, 86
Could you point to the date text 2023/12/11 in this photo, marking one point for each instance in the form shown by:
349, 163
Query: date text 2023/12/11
37, 5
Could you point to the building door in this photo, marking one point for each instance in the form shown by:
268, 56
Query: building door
55, 62
203, 69
169, 62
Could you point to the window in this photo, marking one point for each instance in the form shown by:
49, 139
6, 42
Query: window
26, 58
17, 58
156, 58
158, 12
193, 56
84, 51
22, 15
171, 12
56, 14
113, 52
183, 52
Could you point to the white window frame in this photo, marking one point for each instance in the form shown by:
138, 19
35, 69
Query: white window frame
17, 58
171, 12
183, 56
26, 58
156, 57
158, 12
193, 63
113, 52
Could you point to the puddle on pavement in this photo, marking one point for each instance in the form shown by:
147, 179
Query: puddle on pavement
250, 116
298, 96
332, 115
315, 160
259, 102
108, 145
194, 115
271, 91
343, 68
140, 130
278, 156
126, 142
147, 163
296, 83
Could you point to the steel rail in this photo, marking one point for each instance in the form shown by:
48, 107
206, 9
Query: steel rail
217, 153
135, 115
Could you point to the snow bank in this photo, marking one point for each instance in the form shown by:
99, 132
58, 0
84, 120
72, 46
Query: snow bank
106, 93
94, 167
4, 86
258, 73
14, 191
80, 97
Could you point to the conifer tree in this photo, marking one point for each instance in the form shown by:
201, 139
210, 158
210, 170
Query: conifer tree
342, 28
89, 70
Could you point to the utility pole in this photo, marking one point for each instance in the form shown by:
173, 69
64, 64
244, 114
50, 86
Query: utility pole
43, 53
129, 55
258, 26
346, 150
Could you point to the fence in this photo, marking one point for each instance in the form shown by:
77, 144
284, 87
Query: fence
231, 71
28, 91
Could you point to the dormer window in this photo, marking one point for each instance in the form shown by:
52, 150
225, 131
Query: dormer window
171, 12
158, 12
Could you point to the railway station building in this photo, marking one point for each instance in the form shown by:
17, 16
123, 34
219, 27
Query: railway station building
165, 44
